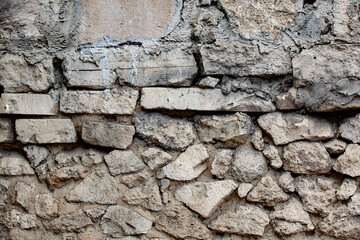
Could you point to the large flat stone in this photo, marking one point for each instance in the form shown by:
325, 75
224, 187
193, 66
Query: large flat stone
27, 104
203, 100
7, 133
115, 101
349, 162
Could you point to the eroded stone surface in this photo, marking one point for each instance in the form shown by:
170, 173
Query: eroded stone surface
347, 189
272, 154
24, 194
125, 161
350, 129
14, 164
147, 196
335, 146
287, 182
222, 163
69, 222
36, 154
349, 162
46, 206
7, 133
208, 82
244, 189
155, 158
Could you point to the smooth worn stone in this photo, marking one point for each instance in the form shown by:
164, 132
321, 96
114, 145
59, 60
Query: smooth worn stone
168, 132
44, 131
23, 194
349, 162
98, 187
123, 161
116, 101
249, 164
14, 164
244, 219
289, 127
236, 59
222, 163
189, 165
290, 218
147, 196
107, 134
46, 206
28, 104
272, 154
155, 158
71, 222
350, 129
119, 219
267, 192
232, 130
206, 100
287, 182
335, 146
36, 154
179, 222
307, 158
347, 189
205, 197
7, 133
209, 82
244, 189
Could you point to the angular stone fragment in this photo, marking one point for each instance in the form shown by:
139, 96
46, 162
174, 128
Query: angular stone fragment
179, 222
249, 164
43, 131
123, 162
206, 100
288, 127
240, 60
286, 101
231, 130
107, 134
136, 179
118, 219
222, 163
244, 189
147, 196
15, 218
350, 129
155, 158
267, 192
170, 133
287, 182
307, 158
91, 157
23, 194
14, 164
4, 193
98, 187
189, 165
46, 206
257, 139
28, 104
209, 82
243, 220
347, 189
205, 197
36, 154
349, 162
335, 146
116, 101
7, 133
290, 218
95, 213
272, 154
71, 222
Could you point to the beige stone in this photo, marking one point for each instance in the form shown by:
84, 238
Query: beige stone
286, 101
350, 129
24, 194
123, 161
36, 154
43, 131
136, 179
287, 182
244, 189
46, 206
14, 164
257, 139
15, 218
147, 196
349, 162
347, 189
222, 163
7, 133
272, 154
335, 146
69, 222
155, 158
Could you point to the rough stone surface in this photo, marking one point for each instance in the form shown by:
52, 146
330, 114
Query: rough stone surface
117, 101
335, 146
23, 194
288, 127
36, 154
15, 218
222, 163
46, 206
349, 162
209, 82
123, 161
272, 154
155, 158
7, 133
350, 128
205, 197
347, 189
147, 196
286, 101
287, 182
257, 139
43, 131
136, 179
14, 164
244, 189
170, 133
69, 222
97, 133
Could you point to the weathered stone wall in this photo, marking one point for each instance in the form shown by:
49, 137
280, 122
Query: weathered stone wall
179, 119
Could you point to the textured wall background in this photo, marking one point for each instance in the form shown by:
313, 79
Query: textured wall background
179, 119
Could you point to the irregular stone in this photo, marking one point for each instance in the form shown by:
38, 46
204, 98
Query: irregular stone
243, 220
335, 146
123, 162
349, 162
118, 219
36, 154
155, 158
286, 101
353, 205
14, 218
95, 213
71, 222
91, 157
28, 104
244, 189
14, 164
288, 127
257, 139
307, 158
4, 193
7, 133
170, 133
287, 182
46, 206
179, 222
205, 197
98, 133
272, 154
98, 187
43, 131
207, 100
189, 165
147, 196
267, 192
290, 218
116, 101
349, 129
347, 189
222, 163
23, 194
243, 60
209, 82
248, 164
136, 179
232, 130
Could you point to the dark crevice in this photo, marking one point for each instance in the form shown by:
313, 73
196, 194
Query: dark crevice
309, 2
1, 90
200, 68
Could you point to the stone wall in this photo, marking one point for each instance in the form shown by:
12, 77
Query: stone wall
179, 119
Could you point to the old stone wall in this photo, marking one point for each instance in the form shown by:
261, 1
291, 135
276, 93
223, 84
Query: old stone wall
179, 119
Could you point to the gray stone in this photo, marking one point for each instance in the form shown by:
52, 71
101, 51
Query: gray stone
349, 162
170, 133
287, 182
189, 165
244, 189
209, 82
335, 146
147, 196
286, 101
288, 127
222, 163
307, 158
14, 164
205, 197
92, 157
347, 189
272, 154
136, 179
116, 101
207, 100
46, 206
257, 139
43, 131
98, 187
155, 158
71, 222
350, 128
4, 193
118, 220
95, 213
15, 218
7, 133
23, 194
36, 154
98, 133
123, 161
